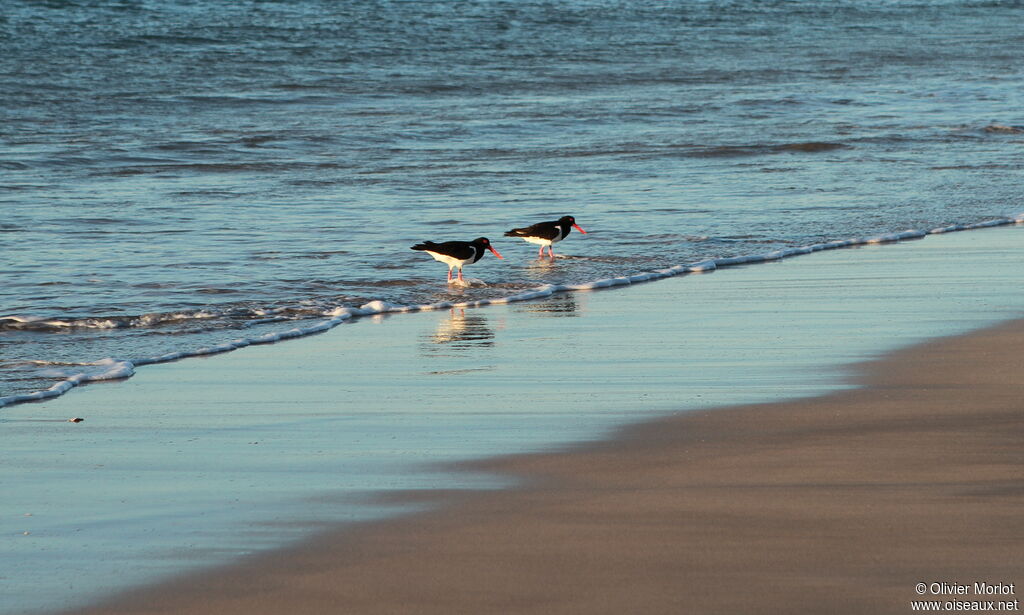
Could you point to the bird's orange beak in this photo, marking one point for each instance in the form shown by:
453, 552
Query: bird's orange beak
491, 248
577, 227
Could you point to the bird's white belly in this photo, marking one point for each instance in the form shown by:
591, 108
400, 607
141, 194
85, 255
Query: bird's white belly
451, 261
541, 242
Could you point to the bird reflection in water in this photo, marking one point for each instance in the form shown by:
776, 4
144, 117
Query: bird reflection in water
563, 305
459, 334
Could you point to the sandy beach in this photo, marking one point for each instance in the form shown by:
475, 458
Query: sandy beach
837, 504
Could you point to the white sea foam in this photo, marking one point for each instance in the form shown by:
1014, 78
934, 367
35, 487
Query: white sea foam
110, 370
117, 369
113, 322
468, 282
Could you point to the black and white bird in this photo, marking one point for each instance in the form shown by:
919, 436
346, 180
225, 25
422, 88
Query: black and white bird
457, 253
547, 233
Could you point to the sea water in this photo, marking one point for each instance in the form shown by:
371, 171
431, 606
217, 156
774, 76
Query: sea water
179, 175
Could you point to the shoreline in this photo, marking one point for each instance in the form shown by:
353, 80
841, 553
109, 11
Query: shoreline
206, 463
115, 369
839, 503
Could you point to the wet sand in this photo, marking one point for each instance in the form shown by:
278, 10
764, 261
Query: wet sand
837, 504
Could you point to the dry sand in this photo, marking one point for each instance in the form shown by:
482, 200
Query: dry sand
839, 504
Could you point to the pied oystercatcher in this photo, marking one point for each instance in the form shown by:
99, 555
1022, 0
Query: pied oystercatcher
547, 233
457, 253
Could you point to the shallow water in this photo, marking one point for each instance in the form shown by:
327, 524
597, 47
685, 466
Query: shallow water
179, 174
197, 463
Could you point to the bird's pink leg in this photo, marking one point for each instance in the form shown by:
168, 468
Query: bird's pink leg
551, 251
449, 274
541, 253
460, 274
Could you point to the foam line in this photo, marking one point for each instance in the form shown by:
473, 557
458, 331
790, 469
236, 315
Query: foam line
115, 370
119, 369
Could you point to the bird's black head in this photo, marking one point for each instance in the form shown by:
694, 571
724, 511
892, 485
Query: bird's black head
567, 222
486, 243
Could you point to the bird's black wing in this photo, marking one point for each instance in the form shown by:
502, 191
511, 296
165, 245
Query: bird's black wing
543, 230
461, 250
